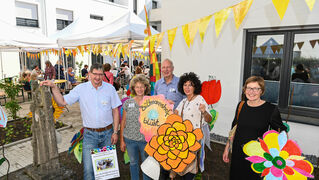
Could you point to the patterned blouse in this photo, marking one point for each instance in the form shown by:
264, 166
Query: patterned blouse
132, 125
191, 110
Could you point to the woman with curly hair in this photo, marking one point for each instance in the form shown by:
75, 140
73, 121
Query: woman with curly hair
130, 136
193, 108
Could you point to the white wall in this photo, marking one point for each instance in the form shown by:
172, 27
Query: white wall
223, 56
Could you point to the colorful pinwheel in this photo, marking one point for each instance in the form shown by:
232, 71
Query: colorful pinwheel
276, 157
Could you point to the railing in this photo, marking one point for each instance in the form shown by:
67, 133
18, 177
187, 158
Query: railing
27, 22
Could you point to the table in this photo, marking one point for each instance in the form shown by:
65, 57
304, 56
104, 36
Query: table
59, 81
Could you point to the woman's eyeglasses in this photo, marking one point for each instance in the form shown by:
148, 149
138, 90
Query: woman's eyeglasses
253, 89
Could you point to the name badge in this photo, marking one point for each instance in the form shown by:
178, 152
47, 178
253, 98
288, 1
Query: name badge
131, 105
104, 102
172, 90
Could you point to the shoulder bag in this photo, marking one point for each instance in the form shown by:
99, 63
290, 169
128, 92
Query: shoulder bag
233, 130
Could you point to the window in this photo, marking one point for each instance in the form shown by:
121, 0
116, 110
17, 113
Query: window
64, 18
96, 17
97, 58
154, 27
135, 6
29, 62
154, 5
288, 60
26, 14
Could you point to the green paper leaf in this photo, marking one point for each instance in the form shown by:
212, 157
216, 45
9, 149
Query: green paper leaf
259, 167
126, 157
268, 156
2, 160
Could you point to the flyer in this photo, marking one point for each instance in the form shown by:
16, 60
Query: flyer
105, 163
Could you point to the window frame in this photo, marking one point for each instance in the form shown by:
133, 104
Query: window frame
64, 24
28, 19
284, 81
96, 17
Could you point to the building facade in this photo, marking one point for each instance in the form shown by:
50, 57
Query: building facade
263, 45
45, 17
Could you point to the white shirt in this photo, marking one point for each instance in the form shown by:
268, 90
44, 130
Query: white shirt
96, 104
191, 110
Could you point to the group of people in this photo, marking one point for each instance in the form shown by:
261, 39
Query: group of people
99, 104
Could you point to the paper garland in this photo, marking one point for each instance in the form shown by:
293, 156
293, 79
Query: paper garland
153, 112
277, 157
175, 144
281, 7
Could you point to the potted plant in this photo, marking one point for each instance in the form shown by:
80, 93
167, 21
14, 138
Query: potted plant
79, 66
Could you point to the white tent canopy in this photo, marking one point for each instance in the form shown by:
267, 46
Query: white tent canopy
12, 38
127, 27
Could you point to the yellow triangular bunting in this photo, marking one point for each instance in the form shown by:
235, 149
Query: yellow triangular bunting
313, 43
152, 42
220, 18
281, 7
263, 49
171, 36
186, 34
274, 48
192, 30
300, 44
310, 4
240, 11
203, 26
146, 40
159, 39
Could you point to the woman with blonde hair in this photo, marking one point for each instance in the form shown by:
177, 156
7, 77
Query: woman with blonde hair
130, 136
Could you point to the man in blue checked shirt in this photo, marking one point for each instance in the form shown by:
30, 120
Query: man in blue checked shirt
167, 86
98, 103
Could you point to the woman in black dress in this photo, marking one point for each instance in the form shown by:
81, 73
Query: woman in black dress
255, 118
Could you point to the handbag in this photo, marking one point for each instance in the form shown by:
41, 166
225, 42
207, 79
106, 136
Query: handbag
233, 130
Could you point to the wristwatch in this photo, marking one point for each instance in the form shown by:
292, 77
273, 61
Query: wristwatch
115, 132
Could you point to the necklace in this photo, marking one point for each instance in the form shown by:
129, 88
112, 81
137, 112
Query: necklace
190, 100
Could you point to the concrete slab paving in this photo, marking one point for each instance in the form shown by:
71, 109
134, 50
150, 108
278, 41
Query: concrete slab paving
21, 155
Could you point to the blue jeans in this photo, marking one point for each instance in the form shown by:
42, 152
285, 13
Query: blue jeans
133, 149
92, 140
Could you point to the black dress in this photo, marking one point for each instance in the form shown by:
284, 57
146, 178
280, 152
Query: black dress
253, 122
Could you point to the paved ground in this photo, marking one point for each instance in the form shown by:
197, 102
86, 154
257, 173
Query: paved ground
20, 155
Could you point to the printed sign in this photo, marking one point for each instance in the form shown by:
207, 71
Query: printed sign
153, 112
105, 164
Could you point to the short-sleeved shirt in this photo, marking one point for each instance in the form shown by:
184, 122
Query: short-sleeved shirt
132, 125
96, 104
84, 72
191, 110
170, 90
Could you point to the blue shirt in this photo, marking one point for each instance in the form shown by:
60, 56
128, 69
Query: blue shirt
96, 104
170, 90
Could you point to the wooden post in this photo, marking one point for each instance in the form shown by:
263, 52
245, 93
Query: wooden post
45, 151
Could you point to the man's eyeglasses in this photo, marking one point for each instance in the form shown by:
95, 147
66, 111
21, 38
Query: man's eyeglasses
97, 74
253, 89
